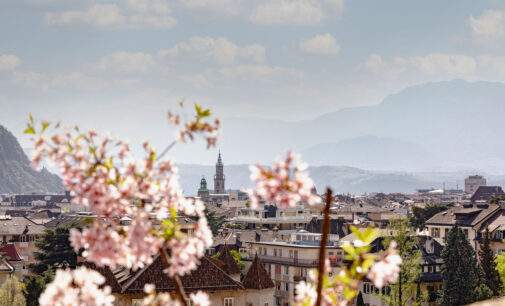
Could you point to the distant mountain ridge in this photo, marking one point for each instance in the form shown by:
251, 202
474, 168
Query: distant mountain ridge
451, 123
341, 179
16, 174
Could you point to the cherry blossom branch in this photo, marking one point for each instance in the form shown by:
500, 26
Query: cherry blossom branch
165, 151
322, 249
181, 295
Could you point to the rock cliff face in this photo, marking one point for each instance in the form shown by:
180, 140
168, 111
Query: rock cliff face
16, 175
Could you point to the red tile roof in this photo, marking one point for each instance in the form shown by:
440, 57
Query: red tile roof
257, 277
230, 265
207, 277
9, 251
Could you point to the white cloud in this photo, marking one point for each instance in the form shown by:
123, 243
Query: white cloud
9, 61
491, 24
220, 49
74, 80
293, 12
196, 80
494, 64
453, 65
125, 62
324, 44
260, 72
139, 14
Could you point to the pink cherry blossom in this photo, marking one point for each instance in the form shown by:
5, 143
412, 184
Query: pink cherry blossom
285, 183
78, 287
386, 270
104, 176
200, 299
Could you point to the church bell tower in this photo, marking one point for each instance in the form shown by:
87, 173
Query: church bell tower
219, 177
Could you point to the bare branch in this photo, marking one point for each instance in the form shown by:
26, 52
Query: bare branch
322, 249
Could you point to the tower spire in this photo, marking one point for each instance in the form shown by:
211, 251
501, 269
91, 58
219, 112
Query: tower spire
219, 177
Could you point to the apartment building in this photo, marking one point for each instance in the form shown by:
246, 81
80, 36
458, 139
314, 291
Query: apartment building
271, 217
470, 218
473, 182
289, 263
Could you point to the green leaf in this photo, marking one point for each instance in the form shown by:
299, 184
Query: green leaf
349, 249
44, 126
29, 130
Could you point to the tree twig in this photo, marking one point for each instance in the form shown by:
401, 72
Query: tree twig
166, 150
181, 295
322, 248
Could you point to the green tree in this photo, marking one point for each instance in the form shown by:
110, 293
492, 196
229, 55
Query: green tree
404, 290
215, 223
500, 267
491, 276
34, 285
54, 250
359, 300
496, 200
11, 293
420, 215
238, 259
236, 256
460, 270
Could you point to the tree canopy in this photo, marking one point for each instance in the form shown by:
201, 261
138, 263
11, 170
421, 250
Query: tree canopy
488, 265
54, 250
460, 271
421, 215
404, 290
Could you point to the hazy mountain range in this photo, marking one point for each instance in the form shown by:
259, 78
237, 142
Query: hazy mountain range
445, 126
16, 175
420, 137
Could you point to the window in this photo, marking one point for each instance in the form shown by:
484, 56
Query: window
435, 232
278, 286
137, 302
366, 288
290, 253
265, 251
228, 301
280, 252
275, 252
466, 233
286, 270
286, 287
266, 304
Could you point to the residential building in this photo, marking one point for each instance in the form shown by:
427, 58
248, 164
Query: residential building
470, 218
22, 232
288, 264
223, 290
485, 193
270, 216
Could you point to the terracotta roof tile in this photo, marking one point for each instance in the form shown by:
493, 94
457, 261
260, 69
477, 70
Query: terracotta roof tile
257, 277
9, 251
230, 265
207, 277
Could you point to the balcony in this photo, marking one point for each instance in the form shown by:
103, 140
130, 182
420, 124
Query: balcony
298, 278
309, 263
281, 294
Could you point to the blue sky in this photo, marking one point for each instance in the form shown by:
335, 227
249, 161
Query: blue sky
118, 66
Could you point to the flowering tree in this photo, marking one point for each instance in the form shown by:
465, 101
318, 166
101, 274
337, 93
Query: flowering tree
103, 175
